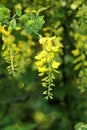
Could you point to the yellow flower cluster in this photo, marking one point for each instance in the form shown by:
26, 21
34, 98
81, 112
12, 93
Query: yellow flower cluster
25, 53
9, 53
3, 31
46, 62
17, 55
75, 4
80, 60
80, 51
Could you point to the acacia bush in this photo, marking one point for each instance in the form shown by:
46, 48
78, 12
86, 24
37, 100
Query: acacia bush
43, 56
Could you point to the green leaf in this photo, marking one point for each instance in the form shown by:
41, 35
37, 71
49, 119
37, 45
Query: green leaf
34, 25
28, 29
30, 22
41, 9
18, 12
79, 125
5, 12
1, 14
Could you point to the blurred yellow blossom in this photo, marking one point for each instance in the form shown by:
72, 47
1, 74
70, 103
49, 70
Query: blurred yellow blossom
80, 60
3, 31
75, 52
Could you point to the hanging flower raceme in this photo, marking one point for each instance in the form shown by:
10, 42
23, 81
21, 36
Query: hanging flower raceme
80, 60
16, 55
10, 52
25, 53
46, 62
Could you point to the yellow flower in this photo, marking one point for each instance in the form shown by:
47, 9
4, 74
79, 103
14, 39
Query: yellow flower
50, 56
83, 57
55, 48
41, 74
77, 60
85, 46
77, 35
8, 39
41, 55
2, 30
77, 66
75, 52
43, 40
55, 64
83, 37
49, 46
38, 57
85, 63
79, 44
39, 63
43, 60
42, 69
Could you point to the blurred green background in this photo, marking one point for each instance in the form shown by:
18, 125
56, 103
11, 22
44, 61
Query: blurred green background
22, 104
